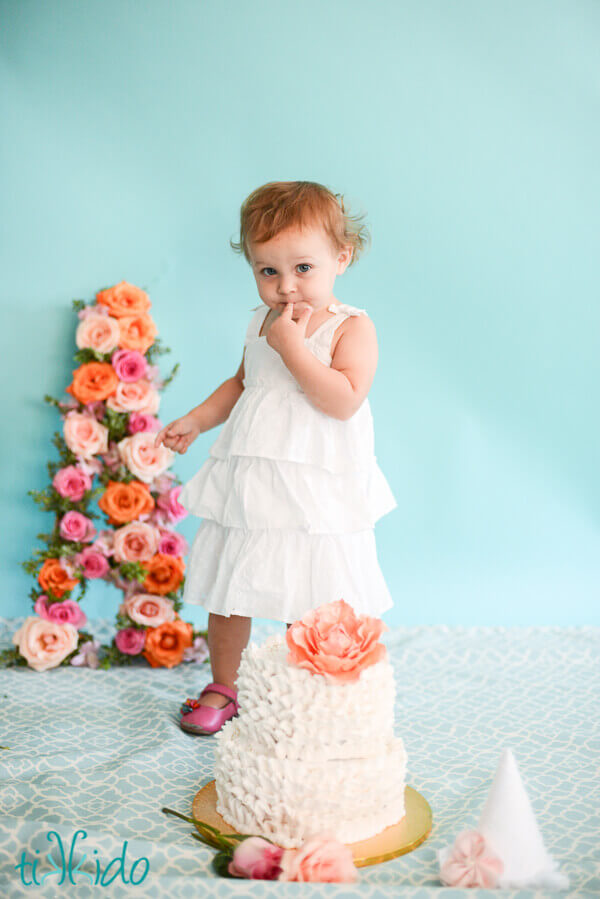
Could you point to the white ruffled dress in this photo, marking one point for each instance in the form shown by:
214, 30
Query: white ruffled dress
289, 497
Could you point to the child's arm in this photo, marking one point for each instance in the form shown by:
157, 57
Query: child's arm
179, 434
338, 390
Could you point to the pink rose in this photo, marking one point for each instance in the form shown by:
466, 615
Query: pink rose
257, 859
333, 641
321, 859
140, 396
471, 863
75, 526
65, 612
173, 544
130, 365
45, 644
148, 609
84, 435
72, 483
93, 563
142, 421
169, 505
130, 640
143, 459
136, 542
98, 332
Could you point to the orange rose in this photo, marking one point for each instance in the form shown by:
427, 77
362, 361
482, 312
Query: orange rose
126, 502
335, 642
124, 299
137, 332
166, 643
165, 573
93, 381
53, 577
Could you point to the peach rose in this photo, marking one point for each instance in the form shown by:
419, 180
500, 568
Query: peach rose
165, 574
53, 577
98, 332
142, 458
137, 332
333, 641
166, 644
136, 542
45, 644
138, 396
126, 502
321, 859
124, 299
93, 381
84, 435
151, 611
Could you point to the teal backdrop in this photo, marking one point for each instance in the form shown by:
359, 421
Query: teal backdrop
469, 133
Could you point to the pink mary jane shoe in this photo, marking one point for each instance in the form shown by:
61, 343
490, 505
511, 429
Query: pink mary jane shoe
203, 719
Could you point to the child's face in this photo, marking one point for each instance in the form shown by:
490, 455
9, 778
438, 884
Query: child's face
297, 266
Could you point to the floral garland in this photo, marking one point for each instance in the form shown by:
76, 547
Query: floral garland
109, 430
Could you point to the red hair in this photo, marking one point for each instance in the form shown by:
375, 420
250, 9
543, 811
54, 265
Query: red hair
284, 204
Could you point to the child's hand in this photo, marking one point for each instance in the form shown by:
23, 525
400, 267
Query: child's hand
285, 333
179, 434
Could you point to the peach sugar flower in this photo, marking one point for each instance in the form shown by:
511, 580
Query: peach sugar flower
124, 299
335, 642
134, 396
136, 542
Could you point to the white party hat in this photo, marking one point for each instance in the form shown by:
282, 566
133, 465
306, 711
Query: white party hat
510, 828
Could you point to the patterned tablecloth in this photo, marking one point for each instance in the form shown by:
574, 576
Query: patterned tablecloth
101, 752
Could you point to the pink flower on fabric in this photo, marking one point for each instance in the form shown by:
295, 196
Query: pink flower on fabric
142, 421
321, 859
71, 482
173, 544
130, 640
256, 859
471, 863
94, 564
65, 612
75, 526
130, 365
168, 504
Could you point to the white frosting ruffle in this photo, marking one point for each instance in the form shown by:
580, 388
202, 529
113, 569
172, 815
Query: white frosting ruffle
250, 492
276, 696
285, 768
283, 573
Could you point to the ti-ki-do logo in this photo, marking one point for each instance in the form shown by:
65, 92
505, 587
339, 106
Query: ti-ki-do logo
63, 868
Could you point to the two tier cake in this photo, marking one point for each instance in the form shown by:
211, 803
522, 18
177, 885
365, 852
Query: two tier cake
313, 748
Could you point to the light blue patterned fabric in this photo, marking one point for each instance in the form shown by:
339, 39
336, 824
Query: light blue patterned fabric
102, 752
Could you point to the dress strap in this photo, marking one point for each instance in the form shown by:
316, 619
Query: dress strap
254, 325
324, 333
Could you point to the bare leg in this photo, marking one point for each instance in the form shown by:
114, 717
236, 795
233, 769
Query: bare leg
227, 637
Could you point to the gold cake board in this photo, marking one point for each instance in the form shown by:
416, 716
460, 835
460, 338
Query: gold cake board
396, 840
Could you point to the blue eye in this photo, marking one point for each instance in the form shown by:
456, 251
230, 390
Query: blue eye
263, 270
305, 265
